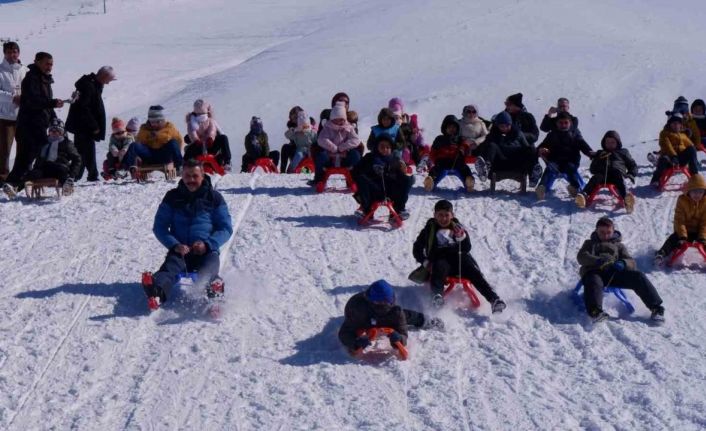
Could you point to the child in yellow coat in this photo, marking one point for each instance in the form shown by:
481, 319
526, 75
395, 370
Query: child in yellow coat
689, 218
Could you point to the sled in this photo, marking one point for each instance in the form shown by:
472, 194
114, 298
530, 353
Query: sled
453, 282
369, 218
617, 291
679, 252
264, 163
143, 171
610, 188
669, 173
210, 164
214, 291
346, 172
470, 160
496, 176
35, 189
106, 171
306, 166
377, 332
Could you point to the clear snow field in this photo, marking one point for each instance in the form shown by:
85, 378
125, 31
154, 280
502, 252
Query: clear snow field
78, 349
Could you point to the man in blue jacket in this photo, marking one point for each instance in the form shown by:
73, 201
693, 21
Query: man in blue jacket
192, 222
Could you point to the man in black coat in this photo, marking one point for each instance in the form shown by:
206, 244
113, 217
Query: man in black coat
521, 118
86, 118
549, 120
36, 111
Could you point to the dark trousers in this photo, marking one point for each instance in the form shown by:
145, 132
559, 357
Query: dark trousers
370, 190
220, 149
685, 158
29, 143
414, 318
322, 160
206, 265
672, 242
288, 151
48, 170
614, 177
166, 154
458, 163
7, 137
512, 159
86, 146
595, 281
249, 159
442, 268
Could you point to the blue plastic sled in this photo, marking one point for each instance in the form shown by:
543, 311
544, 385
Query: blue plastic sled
618, 292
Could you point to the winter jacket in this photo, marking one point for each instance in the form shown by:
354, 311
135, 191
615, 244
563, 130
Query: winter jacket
527, 125
594, 253
565, 147
184, 217
690, 216
549, 124
257, 145
473, 129
157, 138
390, 167
359, 314
619, 159
302, 139
434, 242
445, 146
673, 143
338, 139
700, 123
203, 132
692, 129
116, 144
87, 114
11, 76
36, 104
63, 153
513, 139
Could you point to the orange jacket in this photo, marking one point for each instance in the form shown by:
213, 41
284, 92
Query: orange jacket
671, 143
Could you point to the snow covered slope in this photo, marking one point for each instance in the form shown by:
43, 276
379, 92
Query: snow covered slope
78, 350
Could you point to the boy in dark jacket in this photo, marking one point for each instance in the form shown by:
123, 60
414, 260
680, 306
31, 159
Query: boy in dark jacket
561, 150
58, 159
380, 175
443, 247
611, 165
257, 146
448, 152
374, 308
605, 261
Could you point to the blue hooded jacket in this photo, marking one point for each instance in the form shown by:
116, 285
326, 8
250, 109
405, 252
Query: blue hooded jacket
184, 217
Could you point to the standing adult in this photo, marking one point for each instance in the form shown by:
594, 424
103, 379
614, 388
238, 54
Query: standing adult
36, 111
11, 74
549, 120
86, 118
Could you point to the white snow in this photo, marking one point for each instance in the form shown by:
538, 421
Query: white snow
78, 349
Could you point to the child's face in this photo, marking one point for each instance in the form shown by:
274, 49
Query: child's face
697, 195
339, 121
605, 233
451, 130
698, 110
675, 126
443, 217
611, 144
504, 128
53, 133
384, 148
386, 122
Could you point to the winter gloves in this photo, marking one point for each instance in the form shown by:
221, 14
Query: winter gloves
609, 263
362, 342
619, 265
395, 337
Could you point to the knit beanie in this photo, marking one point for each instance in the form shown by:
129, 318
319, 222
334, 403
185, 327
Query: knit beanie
380, 291
503, 118
396, 106
201, 107
681, 105
133, 125
515, 99
56, 124
155, 113
443, 205
338, 111
117, 125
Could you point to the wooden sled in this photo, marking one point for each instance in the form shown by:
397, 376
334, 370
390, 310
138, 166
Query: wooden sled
35, 189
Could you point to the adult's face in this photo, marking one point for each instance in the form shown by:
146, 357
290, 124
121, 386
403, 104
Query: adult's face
12, 55
563, 106
564, 124
45, 65
192, 177
105, 78
511, 108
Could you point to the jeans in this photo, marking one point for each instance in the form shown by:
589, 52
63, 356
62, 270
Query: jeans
207, 266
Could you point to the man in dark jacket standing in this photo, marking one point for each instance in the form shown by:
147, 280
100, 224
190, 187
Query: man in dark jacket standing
86, 118
549, 120
36, 111
192, 222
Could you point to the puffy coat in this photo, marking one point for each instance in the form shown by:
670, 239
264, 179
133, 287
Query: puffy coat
428, 247
359, 314
184, 217
619, 159
549, 124
693, 129
66, 154
594, 253
673, 143
474, 129
338, 139
527, 125
36, 106
11, 76
690, 216
446, 146
157, 138
201, 132
116, 144
257, 145
302, 139
513, 139
565, 147
87, 114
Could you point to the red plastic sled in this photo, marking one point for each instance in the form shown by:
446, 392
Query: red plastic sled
377, 332
452, 282
669, 173
470, 160
610, 187
369, 217
264, 163
346, 172
681, 250
210, 165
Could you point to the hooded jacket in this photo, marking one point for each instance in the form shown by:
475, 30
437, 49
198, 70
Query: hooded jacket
690, 216
594, 253
446, 146
673, 143
527, 125
359, 314
87, 114
619, 159
390, 165
565, 147
513, 139
474, 129
338, 139
11, 76
66, 155
201, 132
434, 242
36, 105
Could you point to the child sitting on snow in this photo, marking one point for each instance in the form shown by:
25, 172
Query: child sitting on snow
387, 125
444, 248
448, 152
375, 308
611, 165
338, 143
689, 218
58, 159
120, 141
676, 149
605, 261
257, 146
303, 136
204, 135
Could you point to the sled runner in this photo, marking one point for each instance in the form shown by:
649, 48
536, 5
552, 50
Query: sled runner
377, 332
679, 252
306, 166
453, 282
497, 176
143, 171
35, 189
369, 218
346, 172
210, 164
669, 173
264, 163
618, 292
